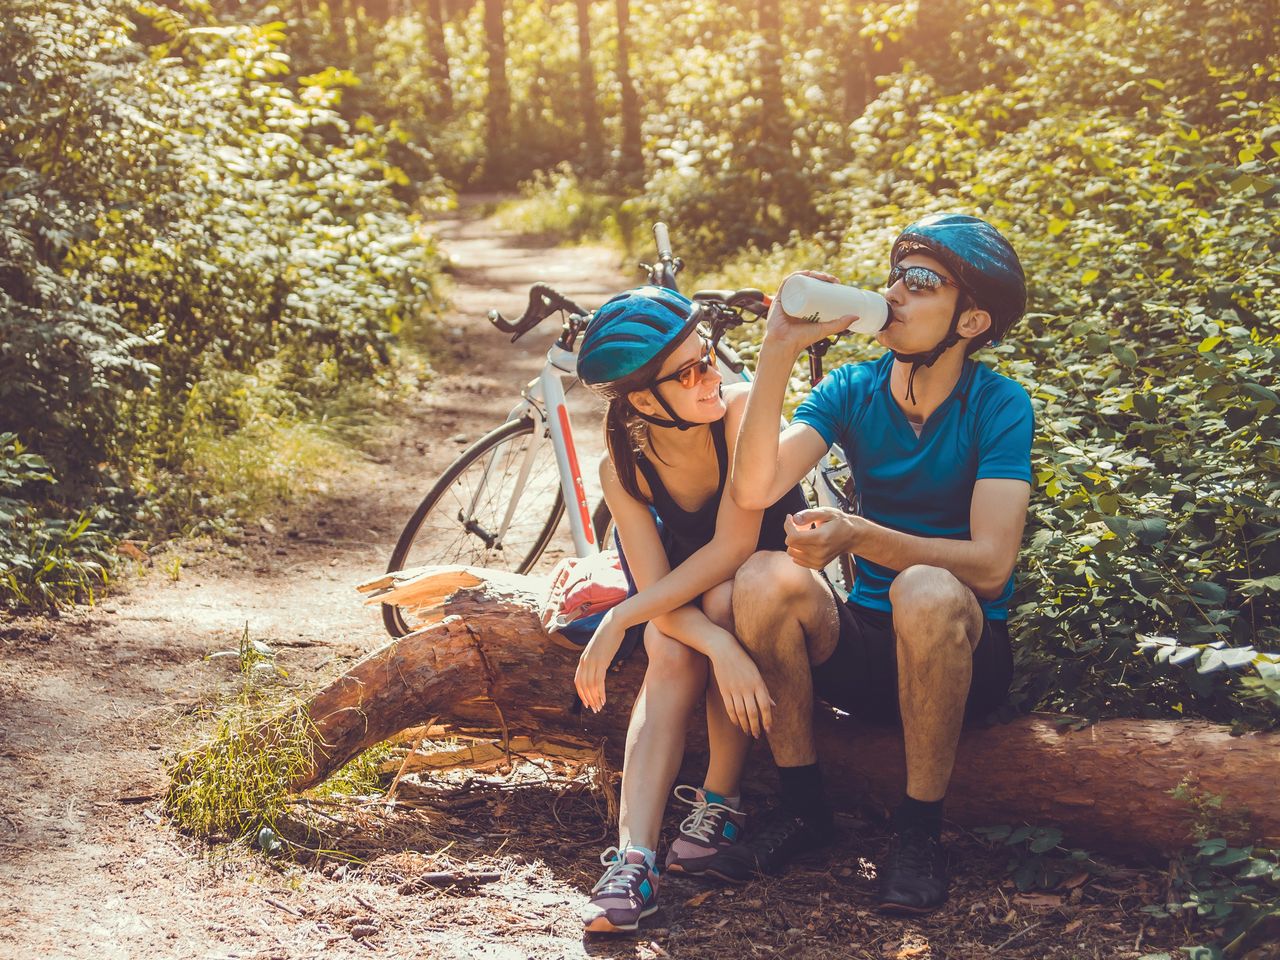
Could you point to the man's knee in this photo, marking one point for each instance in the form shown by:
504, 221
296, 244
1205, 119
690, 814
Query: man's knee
761, 588
671, 660
769, 586
769, 578
717, 604
931, 608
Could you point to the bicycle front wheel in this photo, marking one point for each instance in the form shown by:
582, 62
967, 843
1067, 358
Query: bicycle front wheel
496, 506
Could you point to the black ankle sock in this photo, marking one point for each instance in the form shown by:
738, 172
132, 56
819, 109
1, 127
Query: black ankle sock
923, 815
803, 795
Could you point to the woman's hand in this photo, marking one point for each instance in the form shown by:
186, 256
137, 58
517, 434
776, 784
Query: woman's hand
594, 662
746, 698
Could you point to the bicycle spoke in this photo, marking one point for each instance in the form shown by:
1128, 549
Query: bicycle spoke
473, 507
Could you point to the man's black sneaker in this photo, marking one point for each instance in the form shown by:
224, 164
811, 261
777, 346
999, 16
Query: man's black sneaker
913, 878
774, 841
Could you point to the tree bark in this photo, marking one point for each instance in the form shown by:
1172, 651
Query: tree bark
858, 81
338, 27
632, 162
775, 132
433, 22
484, 659
592, 139
498, 102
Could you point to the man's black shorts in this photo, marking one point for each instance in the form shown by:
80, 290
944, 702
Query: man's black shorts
861, 676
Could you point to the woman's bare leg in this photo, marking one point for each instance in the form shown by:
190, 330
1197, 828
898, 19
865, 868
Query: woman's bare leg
673, 683
728, 744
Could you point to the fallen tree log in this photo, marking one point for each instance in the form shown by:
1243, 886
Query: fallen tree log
483, 658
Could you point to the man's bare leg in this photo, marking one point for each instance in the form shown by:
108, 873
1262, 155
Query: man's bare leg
937, 625
785, 617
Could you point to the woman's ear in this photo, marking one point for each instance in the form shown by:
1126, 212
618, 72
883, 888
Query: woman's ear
643, 401
973, 323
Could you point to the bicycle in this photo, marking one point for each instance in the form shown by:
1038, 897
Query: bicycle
500, 502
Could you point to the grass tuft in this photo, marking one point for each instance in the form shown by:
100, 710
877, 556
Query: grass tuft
236, 782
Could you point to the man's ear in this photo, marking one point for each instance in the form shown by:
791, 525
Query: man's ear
973, 323
643, 401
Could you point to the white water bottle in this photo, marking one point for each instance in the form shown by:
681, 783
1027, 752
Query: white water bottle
817, 301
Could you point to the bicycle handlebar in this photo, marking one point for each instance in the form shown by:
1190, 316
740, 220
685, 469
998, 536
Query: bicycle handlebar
543, 301
663, 239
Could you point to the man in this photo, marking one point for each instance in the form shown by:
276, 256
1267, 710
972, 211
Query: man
939, 446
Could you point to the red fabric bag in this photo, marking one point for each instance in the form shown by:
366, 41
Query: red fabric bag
583, 587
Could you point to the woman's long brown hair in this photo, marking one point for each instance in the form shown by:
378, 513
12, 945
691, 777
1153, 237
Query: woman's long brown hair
626, 436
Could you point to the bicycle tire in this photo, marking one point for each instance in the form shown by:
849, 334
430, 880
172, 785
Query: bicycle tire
602, 525
445, 540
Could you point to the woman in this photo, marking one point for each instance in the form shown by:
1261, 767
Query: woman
670, 430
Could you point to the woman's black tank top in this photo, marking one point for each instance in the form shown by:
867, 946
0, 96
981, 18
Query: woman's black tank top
684, 532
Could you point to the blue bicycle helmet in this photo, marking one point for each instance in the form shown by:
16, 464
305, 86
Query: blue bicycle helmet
983, 261
985, 265
634, 329
631, 335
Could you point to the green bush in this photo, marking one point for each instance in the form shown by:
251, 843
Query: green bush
180, 210
48, 557
560, 207
1144, 212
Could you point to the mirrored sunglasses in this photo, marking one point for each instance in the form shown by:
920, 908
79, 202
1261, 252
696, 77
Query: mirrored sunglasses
919, 278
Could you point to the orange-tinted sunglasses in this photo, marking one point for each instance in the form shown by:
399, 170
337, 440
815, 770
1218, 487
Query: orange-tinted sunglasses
693, 372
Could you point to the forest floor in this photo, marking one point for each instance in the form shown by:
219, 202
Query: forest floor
92, 702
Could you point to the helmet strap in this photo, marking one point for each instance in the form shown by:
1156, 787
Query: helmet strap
676, 420
927, 358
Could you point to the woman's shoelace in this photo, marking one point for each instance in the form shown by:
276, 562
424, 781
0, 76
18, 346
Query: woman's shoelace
706, 816
621, 876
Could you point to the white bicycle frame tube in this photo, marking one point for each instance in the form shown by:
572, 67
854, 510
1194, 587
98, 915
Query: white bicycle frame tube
561, 363
543, 402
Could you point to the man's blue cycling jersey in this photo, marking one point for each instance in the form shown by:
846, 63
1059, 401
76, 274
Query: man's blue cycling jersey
922, 485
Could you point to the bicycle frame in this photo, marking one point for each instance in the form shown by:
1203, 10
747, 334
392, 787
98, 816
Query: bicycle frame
543, 401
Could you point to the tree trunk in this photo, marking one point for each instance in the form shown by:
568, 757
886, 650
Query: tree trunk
775, 132
338, 27
379, 10
858, 81
433, 22
484, 659
632, 164
498, 102
592, 139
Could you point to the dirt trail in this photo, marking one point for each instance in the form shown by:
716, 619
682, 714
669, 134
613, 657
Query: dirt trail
90, 702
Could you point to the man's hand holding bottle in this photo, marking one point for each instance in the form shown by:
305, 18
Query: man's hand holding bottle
804, 311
